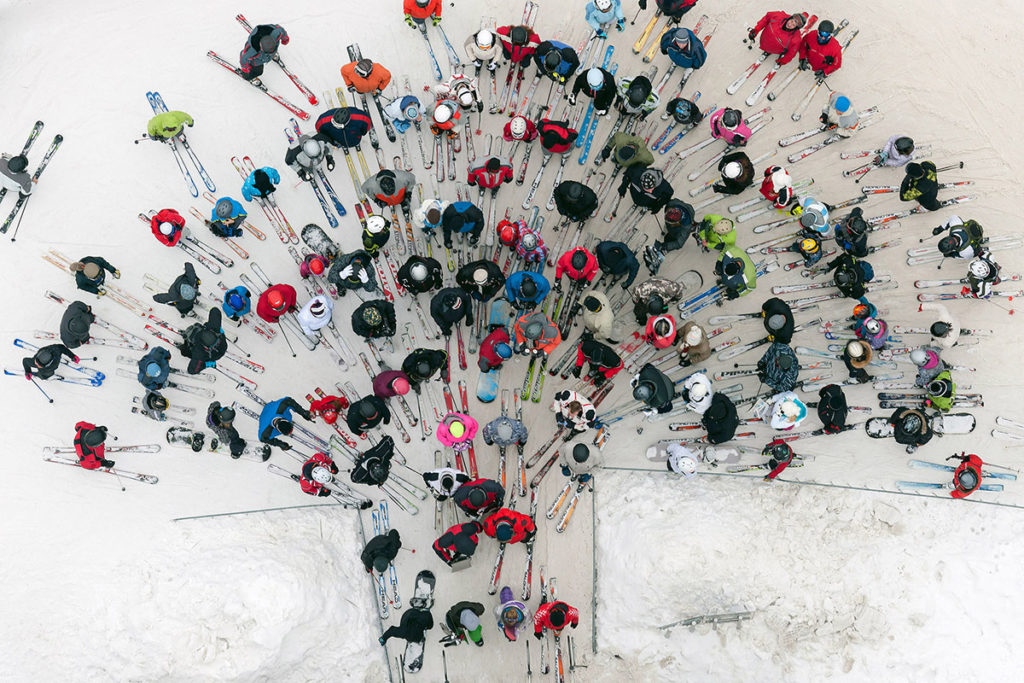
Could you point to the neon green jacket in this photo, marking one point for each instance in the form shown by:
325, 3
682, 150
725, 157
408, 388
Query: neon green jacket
168, 124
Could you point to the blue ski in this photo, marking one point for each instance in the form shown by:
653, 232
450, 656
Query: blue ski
593, 127
950, 468
207, 180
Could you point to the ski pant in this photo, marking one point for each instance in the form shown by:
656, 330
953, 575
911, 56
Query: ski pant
253, 72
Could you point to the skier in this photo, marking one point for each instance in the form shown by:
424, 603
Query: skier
305, 156
839, 116
444, 118
575, 201
75, 323
653, 296
654, 389
479, 497
684, 112
226, 218
463, 620
354, 272
525, 289
462, 89
694, 346
728, 124
495, 349
46, 360
574, 413
168, 125
512, 615
808, 246
391, 188
449, 307
780, 35
314, 265
684, 48
627, 150
945, 331
276, 420
967, 476
911, 428
328, 407
518, 43
183, 293
779, 455
852, 233
735, 271
832, 408
778, 368
490, 173
677, 225
941, 392
603, 13
898, 151
821, 52
720, 419
505, 432
390, 383
579, 265
530, 246
777, 186
260, 184
373, 467
261, 47
536, 334
343, 127
365, 77
929, 364
422, 364
872, 330
519, 129
413, 625
856, 357
458, 543
204, 344
443, 482
481, 47
154, 368
14, 176
89, 446
315, 315
317, 472
509, 526
737, 174
965, 238
636, 97
237, 303
90, 274
556, 60
456, 431
480, 279
851, 275
167, 226
556, 137
374, 319
418, 11
598, 317
463, 218
714, 232
682, 460
673, 9
597, 84
554, 616
578, 463
603, 362
660, 331
982, 275
420, 275
617, 260
404, 112
647, 187
366, 413
375, 235
221, 419
380, 551
275, 302
786, 411
777, 318
697, 393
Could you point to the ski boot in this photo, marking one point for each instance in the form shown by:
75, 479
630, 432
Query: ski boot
654, 257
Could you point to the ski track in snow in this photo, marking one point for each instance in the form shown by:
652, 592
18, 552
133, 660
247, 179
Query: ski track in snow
101, 585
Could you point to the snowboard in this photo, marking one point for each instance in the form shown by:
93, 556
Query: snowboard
487, 385
422, 598
727, 454
258, 452
954, 423
317, 240
183, 436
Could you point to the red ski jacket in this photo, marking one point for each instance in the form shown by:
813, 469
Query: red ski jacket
523, 527
479, 175
488, 358
263, 309
564, 265
433, 8
657, 341
541, 620
974, 463
306, 481
89, 458
556, 137
167, 216
826, 58
517, 54
775, 39
460, 539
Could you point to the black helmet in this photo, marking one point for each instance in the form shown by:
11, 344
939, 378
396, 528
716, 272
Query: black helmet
638, 91
477, 498
519, 35
643, 391
493, 164
784, 362
226, 414
625, 153
915, 170
95, 437
283, 425
911, 422
655, 304
367, 410
904, 145
557, 615
268, 44
939, 329
552, 59
592, 304
574, 191
386, 179
377, 470
856, 225
364, 67
43, 357
529, 288
778, 451
579, 259
967, 479
731, 118
17, 164
342, 116
826, 27
580, 452
662, 327
950, 245
844, 277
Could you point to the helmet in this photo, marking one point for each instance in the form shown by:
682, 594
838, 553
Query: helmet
166, 228
94, 437
731, 118
940, 329
442, 114
980, 268
153, 369
330, 416
226, 414
856, 226
625, 153
732, 170
503, 532
519, 35
400, 385
317, 308
222, 208
268, 44
466, 98
311, 148
603, 5
453, 301
503, 350
872, 326
457, 429
950, 244
649, 179
484, 39
44, 356
418, 272
342, 116
275, 299
423, 369
187, 291
790, 408
698, 391
508, 233
367, 410
919, 357
592, 304
862, 311
595, 78
809, 245
731, 268
322, 475
776, 322
842, 104
480, 275
579, 259
517, 126
316, 265
533, 330
372, 317
911, 422
779, 451
694, 336
723, 227
574, 190
377, 470
412, 111
637, 94
807, 219
844, 277
511, 615
784, 362
447, 482
685, 464
376, 224
681, 38
799, 19
528, 241
662, 327
915, 170
503, 430
477, 498
937, 387
386, 180
580, 452
552, 59
643, 391
855, 349
904, 145
283, 425
557, 615
528, 288
967, 479
17, 164
826, 28
364, 67
655, 304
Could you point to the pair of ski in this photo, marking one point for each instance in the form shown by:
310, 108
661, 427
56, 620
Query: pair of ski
156, 103
131, 340
245, 166
23, 198
95, 376
831, 139
754, 96
1014, 437
381, 527
294, 134
924, 464
449, 400
733, 351
57, 455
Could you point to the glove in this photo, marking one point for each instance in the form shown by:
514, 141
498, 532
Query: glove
643, 4
303, 175
106, 463
738, 141
190, 123
28, 376
77, 359
572, 99
237, 232
804, 65
529, 536
492, 66
477, 63
605, 153
286, 446
363, 277
117, 274
602, 112
823, 118
330, 164
620, 25
558, 286
473, 242
436, 20
819, 76
576, 372
601, 33
751, 34
538, 636
731, 294
412, 24
566, 472
347, 271
664, 50
308, 417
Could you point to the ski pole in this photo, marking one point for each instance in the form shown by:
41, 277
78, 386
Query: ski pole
20, 216
286, 339
950, 167
632, 23
33, 379
1008, 310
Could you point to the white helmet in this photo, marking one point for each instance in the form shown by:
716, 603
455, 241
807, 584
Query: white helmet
528, 241
872, 326
322, 475
466, 98
980, 268
694, 336
480, 275
375, 224
166, 228
790, 408
484, 39
732, 170
685, 465
918, 357
518, 127
781, 179
311, 148
603, 5
442, 113
418, 272
317, 309
595, 78
698, 391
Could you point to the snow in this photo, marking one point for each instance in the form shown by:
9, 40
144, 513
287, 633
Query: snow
101, 584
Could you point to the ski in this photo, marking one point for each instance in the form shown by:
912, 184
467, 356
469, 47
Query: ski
57, 140
256, 83
144, 478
